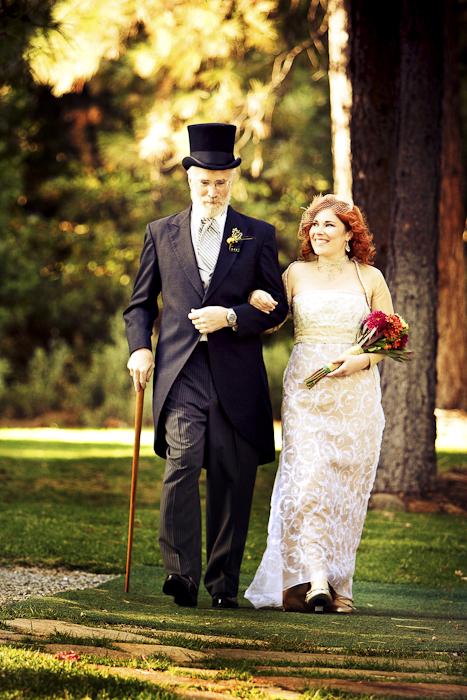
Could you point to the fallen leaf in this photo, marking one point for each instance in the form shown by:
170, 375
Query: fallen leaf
70, 656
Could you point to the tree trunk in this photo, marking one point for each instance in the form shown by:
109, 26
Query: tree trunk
340, 88
408, 458
374, 68
395, 64
451, 364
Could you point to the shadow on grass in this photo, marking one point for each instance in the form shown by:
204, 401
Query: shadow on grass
62, 506
389, 617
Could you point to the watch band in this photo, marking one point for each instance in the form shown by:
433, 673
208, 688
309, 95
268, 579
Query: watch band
231, 318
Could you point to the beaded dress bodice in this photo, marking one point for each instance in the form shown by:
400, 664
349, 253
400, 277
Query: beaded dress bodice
332, 316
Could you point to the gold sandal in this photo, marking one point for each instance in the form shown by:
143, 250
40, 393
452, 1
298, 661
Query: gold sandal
340, 604
294, 599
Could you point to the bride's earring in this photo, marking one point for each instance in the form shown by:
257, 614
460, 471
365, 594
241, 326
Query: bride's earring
347, 247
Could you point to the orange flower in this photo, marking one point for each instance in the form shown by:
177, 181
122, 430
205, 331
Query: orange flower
394, 327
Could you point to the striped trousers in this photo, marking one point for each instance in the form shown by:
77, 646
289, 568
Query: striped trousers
199, 435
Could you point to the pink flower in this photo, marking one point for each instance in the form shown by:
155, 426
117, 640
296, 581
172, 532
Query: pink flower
377, 319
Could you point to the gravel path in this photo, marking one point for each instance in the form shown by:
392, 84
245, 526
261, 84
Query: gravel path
21, 582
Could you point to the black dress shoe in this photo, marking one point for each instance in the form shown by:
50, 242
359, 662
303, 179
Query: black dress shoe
223, 601
182, 588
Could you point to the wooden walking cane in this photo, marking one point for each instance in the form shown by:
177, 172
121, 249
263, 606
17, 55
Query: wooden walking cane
134, 480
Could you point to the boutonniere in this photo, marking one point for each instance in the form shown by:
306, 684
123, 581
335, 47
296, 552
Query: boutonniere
235, 238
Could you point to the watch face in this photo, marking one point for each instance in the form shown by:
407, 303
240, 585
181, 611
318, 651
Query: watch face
231, 317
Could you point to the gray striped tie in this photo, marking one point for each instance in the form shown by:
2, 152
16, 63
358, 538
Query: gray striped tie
209, 240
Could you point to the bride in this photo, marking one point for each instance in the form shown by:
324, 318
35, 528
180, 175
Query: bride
331, 433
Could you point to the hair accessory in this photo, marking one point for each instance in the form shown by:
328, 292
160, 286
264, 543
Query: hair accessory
339, 204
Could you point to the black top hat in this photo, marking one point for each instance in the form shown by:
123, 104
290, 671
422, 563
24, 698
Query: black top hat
211, 147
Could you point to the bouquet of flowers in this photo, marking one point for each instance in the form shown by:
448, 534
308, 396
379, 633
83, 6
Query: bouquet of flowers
385, 334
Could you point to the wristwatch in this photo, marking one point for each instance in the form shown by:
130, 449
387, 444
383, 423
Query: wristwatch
231, 318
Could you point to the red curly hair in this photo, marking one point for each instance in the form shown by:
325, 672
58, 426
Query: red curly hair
361, 243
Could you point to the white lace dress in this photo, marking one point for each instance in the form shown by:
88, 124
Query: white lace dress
331, 438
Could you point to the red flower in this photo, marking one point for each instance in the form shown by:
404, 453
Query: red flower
381, 333
377, 319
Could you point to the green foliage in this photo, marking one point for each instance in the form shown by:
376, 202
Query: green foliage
105, 389
4, 371
95, 391
91, 152
46, 375
22, 23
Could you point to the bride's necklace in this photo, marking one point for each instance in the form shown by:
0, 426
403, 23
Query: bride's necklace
332, 268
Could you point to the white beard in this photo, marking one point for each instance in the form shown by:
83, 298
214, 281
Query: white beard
210, 209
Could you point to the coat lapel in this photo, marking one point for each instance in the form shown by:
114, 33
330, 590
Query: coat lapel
226, 259
180, 238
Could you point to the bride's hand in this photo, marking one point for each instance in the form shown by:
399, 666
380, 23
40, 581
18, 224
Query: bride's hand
262, 301
350, 364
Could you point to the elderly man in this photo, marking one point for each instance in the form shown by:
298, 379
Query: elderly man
211, 400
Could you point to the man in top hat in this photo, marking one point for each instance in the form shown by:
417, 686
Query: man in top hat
211, 399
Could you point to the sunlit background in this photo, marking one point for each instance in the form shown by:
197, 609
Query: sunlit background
96, 98
95, 101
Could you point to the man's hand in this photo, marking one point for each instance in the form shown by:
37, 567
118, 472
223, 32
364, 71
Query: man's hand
350, 364
141, 365
262, 301
209, 318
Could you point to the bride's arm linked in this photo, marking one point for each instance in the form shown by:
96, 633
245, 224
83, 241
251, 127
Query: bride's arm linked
380, 298
264, 301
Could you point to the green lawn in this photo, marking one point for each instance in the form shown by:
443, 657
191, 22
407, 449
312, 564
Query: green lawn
25, 673
65, 499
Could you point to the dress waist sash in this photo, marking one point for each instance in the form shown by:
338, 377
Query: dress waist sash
323, 336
